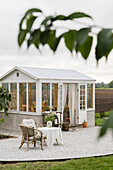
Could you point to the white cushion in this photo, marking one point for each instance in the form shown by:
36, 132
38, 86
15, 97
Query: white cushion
29, 122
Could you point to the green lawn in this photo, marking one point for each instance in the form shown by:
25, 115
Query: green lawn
104, 162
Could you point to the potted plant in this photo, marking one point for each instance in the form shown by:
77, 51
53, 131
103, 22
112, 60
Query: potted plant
46, 109
84, 124
49, 119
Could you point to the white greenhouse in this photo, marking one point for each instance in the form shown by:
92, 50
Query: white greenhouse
39, 90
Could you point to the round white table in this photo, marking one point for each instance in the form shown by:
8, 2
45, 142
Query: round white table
53, 134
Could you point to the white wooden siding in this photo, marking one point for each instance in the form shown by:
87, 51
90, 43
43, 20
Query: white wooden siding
12, 77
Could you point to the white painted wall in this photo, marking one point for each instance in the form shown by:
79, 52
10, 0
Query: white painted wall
12, 77
91, 117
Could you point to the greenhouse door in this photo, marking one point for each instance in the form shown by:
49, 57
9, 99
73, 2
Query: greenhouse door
82, 103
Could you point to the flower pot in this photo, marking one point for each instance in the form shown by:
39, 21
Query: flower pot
84, 124
49, 123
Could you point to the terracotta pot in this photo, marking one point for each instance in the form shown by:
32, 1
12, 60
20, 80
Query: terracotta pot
84, 124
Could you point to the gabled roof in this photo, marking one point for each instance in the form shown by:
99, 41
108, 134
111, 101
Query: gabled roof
46, 73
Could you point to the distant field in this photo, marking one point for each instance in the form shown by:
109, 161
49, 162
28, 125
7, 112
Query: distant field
104, 88
103, 100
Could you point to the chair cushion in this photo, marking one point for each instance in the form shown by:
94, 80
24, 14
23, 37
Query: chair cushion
38, 136
29, 122
31, 138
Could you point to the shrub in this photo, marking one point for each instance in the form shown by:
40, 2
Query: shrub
99, 122
5, 99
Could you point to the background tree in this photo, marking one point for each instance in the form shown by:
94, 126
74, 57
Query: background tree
110, 85
5, 99
101, 85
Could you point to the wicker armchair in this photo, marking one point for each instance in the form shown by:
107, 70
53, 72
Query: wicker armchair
29, 134
38, 125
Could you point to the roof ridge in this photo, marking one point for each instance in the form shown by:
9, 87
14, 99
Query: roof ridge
57, 69
47, 68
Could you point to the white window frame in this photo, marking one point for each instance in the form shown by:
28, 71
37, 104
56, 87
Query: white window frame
37, 98
91, 109
51, 98
26, 98
41, 95
60, 101
10, 92
83, 90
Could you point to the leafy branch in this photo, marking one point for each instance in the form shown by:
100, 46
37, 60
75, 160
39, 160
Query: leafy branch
5, 99
108, 124
75, 40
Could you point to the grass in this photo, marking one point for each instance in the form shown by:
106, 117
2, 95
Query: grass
102, 163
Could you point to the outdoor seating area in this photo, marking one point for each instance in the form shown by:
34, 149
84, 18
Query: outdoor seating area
32, 133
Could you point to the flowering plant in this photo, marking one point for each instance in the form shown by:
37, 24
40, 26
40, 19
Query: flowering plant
84, 120
49, 117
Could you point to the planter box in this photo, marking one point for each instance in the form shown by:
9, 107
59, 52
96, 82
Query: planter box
65, 126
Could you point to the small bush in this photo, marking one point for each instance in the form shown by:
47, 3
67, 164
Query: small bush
97, 115
99, 122
107, 114
102, 114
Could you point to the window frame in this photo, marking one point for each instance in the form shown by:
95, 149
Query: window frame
93, 97
82, 95
53, 97
92, 93
46, 82
18, 111
28, 97
47, 94
16, 97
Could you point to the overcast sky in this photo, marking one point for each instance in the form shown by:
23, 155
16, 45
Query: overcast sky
11, 55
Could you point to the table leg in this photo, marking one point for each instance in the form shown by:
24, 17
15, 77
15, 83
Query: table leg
57, 141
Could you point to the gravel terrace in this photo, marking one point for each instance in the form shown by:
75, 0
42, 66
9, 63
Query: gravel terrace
78, 143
